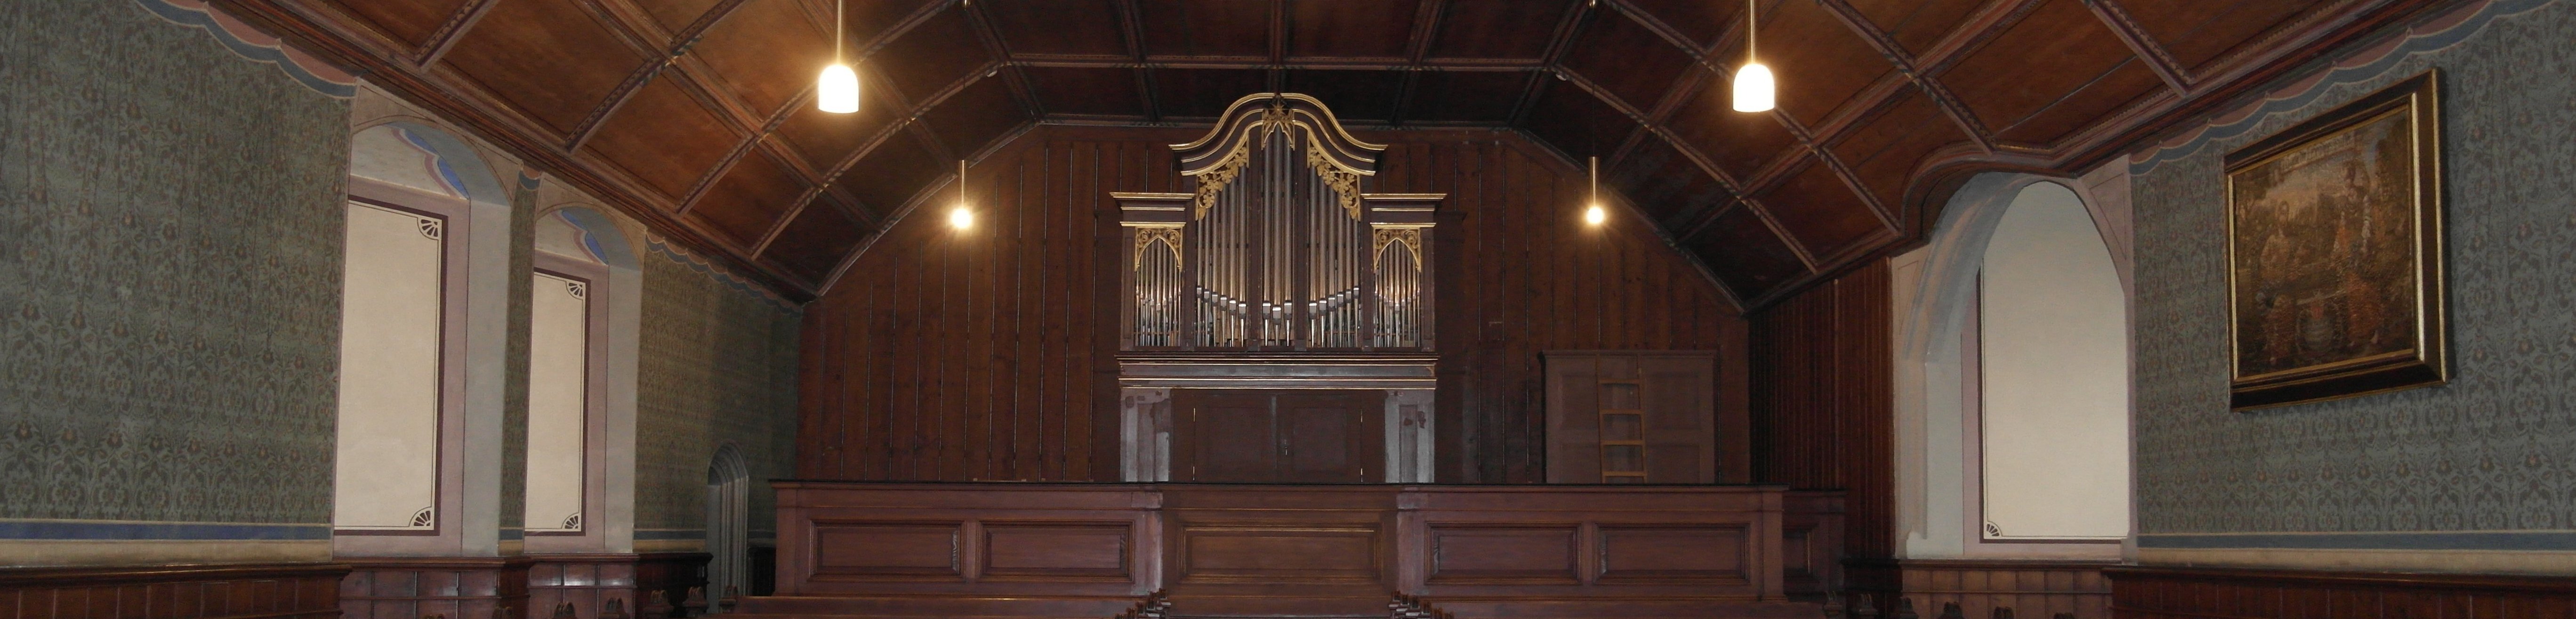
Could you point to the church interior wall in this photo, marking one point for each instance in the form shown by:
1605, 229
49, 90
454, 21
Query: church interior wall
2472, 476
172, 225
944, 355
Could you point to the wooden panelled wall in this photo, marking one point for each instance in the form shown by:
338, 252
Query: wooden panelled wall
271, 591
1823, 407
2235, 593
987, 354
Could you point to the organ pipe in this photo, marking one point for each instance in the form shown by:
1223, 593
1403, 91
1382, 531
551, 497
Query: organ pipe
1279, 254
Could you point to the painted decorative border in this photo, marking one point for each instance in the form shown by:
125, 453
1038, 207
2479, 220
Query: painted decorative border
136, 530
670, 534
663, 247
256, 46
2425, 37
2446, 540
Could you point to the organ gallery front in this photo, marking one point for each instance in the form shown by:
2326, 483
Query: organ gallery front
1278, 320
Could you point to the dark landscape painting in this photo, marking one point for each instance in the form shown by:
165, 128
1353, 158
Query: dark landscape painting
2328, 256
2325, 251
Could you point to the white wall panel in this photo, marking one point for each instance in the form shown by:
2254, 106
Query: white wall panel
389, 363
558, 403
2055, 394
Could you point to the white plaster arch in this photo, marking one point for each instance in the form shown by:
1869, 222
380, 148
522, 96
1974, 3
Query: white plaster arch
604, 241
1932, 289
477, 323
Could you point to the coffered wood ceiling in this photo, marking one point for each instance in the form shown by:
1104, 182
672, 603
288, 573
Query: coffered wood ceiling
696, 115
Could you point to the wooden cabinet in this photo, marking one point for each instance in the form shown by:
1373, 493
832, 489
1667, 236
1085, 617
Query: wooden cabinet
1629, 417
1279, 435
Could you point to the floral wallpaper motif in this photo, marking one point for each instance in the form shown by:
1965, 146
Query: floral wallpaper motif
2489, 452
170, 235
718, 365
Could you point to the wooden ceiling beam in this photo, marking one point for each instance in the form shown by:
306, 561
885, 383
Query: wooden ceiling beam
448, 32
1709, 58
1131, 27
1426, 24
1552, 60
328, 33
1022, 92
2141, 45
1183, 62
1278, 78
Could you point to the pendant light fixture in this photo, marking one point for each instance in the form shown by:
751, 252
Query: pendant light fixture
959, 217
838, 91
1593, 214
1753, 88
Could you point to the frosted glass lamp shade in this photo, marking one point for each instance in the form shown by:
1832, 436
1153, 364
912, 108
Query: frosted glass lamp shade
961, 218
1595, 215
838, 92
1753, 91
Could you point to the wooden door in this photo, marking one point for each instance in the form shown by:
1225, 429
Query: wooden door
1279, 436
1631, 417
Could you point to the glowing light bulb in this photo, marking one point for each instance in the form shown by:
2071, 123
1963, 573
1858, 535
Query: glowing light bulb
838, 92
1753, 88
960, 218
1595, 215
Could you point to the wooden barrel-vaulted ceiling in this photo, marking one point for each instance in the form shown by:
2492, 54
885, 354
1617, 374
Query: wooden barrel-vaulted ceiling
697, 117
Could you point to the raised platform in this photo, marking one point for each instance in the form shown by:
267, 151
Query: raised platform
1220, 550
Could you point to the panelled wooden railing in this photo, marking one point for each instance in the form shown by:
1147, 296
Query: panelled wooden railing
1306, 550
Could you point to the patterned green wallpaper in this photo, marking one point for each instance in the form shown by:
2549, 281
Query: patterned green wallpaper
718, 365
2489, 452
170, 234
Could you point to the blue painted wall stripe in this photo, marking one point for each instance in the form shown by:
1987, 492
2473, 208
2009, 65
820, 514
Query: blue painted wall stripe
211, 531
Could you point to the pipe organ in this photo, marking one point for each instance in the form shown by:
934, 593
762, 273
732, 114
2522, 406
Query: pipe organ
1278, 250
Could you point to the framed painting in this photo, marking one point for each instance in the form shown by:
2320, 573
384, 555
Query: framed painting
2334, 253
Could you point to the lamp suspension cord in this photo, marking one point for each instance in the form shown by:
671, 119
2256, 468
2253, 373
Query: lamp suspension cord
1752, 28
1596, 181
837, 7
961, 183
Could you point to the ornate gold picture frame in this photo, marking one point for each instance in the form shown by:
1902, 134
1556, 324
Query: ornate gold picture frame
2335, 253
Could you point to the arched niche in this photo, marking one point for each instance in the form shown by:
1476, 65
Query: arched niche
579, 242
1936, 304
392, 458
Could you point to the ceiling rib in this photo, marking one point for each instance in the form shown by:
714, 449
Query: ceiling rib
2141, 45
1426, 24
1552, 60
1773, 171
448, 32
1278, 45
1018, 81
418, 72
328, 32
1131, 28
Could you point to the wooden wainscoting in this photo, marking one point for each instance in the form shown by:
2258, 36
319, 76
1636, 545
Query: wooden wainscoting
266, 591
2231, 593
451, 587
645, 586
2032, 589
1305, 550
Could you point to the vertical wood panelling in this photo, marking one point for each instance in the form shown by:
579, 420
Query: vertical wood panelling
978, 354
2224, 593
276, 591
990, 353
1528, 276
1822, 402
2038, 589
